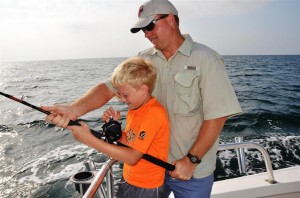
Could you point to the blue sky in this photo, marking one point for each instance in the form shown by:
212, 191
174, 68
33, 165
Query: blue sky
70, 29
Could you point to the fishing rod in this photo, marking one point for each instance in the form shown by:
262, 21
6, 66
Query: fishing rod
71, 123
99, 135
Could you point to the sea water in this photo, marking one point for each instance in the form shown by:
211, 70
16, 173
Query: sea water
37, 159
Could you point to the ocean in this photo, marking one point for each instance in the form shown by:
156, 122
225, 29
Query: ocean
37, 159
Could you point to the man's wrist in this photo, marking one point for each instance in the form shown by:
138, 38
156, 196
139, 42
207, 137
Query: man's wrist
193, 158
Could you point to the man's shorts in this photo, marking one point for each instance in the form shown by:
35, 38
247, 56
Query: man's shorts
193, 188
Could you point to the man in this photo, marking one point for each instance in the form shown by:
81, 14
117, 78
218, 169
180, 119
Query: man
192, 85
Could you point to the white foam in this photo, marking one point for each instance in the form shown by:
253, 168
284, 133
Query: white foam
12, 134
39, 168
65, 172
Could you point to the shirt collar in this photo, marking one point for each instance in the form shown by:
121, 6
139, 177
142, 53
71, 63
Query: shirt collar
184, 49
186, 46
144, 107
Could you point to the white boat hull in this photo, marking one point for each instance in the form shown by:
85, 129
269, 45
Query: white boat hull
254, 186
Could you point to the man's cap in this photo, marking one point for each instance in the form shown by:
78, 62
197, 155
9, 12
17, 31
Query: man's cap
149, 10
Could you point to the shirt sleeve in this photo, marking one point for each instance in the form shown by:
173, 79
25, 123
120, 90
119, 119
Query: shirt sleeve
109, 85
219, 98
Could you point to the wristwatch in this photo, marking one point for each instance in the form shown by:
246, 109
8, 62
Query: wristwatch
194, 159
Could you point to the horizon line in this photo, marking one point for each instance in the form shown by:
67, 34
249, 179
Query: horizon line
62, 59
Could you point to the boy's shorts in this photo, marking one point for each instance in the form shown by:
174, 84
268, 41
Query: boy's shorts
129, 191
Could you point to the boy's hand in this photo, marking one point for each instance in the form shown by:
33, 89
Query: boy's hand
110, 113
81, 133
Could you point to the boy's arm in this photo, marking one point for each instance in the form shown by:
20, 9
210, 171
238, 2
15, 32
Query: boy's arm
82, 134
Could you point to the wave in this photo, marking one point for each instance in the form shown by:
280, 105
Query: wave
264, 121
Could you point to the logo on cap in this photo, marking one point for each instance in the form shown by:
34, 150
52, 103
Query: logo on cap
141, 10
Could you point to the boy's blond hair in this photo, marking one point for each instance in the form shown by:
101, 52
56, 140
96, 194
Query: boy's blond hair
135, 72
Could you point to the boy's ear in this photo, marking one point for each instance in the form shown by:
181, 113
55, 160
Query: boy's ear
145, 88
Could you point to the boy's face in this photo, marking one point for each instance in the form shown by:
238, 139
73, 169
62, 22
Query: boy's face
133, 97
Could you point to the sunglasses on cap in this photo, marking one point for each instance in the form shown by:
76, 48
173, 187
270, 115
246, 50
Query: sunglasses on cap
151, 25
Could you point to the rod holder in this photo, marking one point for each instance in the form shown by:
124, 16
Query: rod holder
82, 181
241, 156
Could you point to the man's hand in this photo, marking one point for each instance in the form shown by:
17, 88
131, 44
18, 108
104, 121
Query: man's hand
60, 115
184, 169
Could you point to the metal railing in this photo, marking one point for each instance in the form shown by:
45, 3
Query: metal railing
104, 172
252, 145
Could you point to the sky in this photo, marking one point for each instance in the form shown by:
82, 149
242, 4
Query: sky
32, 30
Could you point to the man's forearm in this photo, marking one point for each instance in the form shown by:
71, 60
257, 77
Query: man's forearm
93, 99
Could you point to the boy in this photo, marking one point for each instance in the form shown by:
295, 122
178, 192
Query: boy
146, 131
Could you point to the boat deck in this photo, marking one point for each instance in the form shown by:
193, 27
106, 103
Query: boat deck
287, 186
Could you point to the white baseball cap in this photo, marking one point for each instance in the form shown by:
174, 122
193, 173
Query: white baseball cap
149, 10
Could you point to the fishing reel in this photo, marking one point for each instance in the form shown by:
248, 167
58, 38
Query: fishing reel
112, 131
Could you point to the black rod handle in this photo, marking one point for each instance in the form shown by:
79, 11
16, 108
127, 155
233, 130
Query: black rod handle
154, 160
99, 135
159, 162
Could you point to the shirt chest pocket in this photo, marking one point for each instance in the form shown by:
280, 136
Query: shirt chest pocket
187, 93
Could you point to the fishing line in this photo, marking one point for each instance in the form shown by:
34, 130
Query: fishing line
100, 134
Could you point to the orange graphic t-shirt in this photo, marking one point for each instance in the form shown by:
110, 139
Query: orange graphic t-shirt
147, 130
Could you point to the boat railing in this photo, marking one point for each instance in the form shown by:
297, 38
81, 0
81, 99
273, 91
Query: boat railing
105, 174
239, 146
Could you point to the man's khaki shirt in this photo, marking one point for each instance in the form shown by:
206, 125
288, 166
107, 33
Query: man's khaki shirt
193, 86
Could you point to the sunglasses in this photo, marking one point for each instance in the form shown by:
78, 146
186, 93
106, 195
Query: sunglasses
151, 25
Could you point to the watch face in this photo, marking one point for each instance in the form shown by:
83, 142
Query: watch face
194, 159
